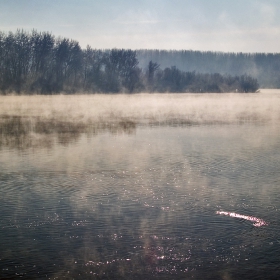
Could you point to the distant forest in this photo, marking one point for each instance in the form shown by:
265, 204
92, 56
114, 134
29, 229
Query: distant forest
265, 67
41, 63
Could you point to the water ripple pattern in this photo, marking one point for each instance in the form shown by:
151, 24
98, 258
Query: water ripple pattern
142, 205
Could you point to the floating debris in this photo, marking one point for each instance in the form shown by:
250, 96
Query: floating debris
257, 222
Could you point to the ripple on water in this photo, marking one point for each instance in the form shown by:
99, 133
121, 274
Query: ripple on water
146, 206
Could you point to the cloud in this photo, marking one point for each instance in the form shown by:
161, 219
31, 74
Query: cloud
267, 13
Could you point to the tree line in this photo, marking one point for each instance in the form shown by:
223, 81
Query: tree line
265, 67
41, 63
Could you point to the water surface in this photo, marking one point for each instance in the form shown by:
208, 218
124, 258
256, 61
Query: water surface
140, 203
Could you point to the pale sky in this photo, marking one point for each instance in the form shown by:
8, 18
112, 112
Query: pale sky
215, 25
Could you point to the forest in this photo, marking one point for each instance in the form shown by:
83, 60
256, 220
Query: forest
40, 63
265, 67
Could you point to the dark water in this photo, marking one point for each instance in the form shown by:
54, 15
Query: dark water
141, 204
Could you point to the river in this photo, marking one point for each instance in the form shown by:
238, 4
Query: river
140, 201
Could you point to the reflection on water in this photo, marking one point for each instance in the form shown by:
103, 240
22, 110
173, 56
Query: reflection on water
22, 132
118, 201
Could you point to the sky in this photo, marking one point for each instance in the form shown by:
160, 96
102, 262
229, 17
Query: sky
206, 25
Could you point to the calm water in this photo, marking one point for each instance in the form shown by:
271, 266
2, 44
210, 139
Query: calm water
141, 203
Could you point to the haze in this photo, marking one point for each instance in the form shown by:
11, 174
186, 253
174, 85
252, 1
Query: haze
147, 108
234, 26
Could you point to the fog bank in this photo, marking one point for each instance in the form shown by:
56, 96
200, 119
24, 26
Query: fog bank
144, 108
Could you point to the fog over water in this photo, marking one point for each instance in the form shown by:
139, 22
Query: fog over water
147, 108
129, 186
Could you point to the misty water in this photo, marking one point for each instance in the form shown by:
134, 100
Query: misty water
140, 201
